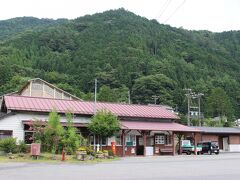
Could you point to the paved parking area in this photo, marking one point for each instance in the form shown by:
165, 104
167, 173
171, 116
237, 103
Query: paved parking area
215, 167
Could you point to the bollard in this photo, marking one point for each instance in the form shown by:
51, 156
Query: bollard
63, 155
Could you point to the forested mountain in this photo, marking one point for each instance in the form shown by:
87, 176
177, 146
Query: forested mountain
126, 52
11, 27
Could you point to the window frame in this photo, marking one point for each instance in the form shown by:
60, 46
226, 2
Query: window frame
131, 138
25, 136
91, 141
120, 140
163, 139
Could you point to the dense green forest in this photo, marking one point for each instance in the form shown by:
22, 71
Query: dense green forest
125, 52
16, 26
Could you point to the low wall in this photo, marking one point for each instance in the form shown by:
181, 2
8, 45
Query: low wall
234, 147
129, 150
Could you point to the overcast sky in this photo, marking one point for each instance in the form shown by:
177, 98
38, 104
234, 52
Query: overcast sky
213, 15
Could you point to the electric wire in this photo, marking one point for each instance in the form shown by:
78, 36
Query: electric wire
164, 8
175, 11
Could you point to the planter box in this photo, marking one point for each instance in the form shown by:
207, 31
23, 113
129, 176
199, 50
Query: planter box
81, 155
82, 152
101, 156
105, 154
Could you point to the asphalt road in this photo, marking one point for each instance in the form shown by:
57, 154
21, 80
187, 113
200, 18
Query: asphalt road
214, 167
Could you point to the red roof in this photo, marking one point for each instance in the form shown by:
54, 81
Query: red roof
157, 126
36, 104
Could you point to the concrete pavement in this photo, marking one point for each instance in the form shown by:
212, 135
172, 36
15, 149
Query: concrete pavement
224, 166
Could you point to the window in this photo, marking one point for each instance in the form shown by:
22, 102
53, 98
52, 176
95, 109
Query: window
97, 140
150, 141
118, 140
37, 86
160, 139
168, 139
140, 141
58, 95
5, 134
28, 137
130, 140
49, 90
66, 96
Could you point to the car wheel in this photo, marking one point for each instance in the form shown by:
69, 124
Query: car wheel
209, 152
188, 152
198, 153
217, 153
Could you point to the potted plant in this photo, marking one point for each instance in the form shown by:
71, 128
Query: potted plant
81, 153
99, 154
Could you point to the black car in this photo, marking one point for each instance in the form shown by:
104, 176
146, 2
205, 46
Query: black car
209, 147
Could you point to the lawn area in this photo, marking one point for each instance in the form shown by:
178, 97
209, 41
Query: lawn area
47, 157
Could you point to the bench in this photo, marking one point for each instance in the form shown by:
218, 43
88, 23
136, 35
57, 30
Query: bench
166, 150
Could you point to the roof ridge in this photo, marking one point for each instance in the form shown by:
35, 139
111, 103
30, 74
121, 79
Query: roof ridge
42, 98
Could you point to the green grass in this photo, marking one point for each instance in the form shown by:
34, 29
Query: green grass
47, 157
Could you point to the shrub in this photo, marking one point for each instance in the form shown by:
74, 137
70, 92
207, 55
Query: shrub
70, 139
90, 151
8, 145
110, 153
22, 147
99, 152
53, 132
82, 148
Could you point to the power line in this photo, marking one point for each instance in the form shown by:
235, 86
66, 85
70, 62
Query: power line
175, 11
192, 95
164, 4
164, 8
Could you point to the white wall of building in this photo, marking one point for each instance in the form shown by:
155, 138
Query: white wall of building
14, 122
234, 147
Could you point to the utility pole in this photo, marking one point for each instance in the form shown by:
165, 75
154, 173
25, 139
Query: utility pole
129, 97
199, 108
191, 95
188, 95
155, 97
95, 97
94, 111
199, 111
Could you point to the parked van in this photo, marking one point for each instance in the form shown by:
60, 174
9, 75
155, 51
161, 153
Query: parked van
209, 147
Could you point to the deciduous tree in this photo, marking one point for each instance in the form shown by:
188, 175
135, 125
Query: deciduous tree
104, 124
